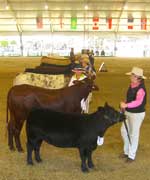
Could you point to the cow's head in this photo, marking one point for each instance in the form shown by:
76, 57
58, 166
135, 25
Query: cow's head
89, 82
111, 115
91, 76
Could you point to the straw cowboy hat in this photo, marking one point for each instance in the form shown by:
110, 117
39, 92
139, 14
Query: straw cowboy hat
137, 71
77, 56
85, 58
78, 68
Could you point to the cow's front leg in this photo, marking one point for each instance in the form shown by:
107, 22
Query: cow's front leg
83, 160
89, 156
37, 151
29, 154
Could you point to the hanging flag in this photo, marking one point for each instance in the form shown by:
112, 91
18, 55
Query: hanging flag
61, 23
95, 23
51, 25
73, 23
109, 22
130, 22
39, 22
143, 23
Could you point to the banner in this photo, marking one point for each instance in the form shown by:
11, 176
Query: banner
61, 23
130, 22
109, 22
39, 22
143, 23
73, 23
95, 23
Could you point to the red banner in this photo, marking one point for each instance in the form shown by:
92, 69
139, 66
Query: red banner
109, 22
143, 23
39, 22
130, 22
95, 23
61, 23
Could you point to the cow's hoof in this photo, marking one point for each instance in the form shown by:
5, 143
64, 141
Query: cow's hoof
20, 149
91, 166
30, 163
12, 148
39, 160
85, 170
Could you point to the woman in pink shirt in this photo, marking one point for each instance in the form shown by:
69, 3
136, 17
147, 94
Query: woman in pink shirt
134, 108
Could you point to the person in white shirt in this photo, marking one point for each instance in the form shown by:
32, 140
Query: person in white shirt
80, 75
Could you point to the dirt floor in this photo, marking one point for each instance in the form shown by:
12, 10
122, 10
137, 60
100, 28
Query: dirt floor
64, 164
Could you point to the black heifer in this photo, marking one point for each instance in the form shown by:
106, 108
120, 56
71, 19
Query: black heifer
66, 70
69, 130
22, 98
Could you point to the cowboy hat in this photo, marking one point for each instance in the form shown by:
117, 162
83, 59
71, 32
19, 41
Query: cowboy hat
137, 71
85, 58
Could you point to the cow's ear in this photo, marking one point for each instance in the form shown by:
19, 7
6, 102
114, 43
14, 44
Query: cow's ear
100, 108
106, 104
76, 82
93, 77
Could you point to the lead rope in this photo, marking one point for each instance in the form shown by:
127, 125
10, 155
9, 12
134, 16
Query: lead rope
126, 127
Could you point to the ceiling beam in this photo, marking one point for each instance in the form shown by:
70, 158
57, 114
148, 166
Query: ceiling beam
80, 10
14, 16
76, 1
45, 17
119, 17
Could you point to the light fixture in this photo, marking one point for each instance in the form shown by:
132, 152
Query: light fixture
125, 7
86, 7
46, 6
7, 7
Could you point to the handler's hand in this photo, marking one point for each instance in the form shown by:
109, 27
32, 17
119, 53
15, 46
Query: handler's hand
123, 105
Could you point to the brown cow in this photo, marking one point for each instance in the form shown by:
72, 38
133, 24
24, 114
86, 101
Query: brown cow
22, 98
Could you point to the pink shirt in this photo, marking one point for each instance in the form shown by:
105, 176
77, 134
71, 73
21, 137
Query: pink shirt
139, 97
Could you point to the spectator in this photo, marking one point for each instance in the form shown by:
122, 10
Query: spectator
87, 66
102, 53
72, 56
91, 59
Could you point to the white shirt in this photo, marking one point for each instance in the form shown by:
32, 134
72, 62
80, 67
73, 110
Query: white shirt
75, 78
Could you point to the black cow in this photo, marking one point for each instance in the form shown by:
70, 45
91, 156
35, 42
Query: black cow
53, 69
69, 130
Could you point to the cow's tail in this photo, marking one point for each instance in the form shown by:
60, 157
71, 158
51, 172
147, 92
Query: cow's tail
6, 118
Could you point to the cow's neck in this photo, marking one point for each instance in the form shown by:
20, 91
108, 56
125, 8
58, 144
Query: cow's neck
84, 91
101, 125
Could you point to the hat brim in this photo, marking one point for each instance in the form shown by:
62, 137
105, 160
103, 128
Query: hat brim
130, 73
78, 70
85, 61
